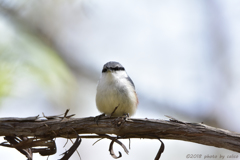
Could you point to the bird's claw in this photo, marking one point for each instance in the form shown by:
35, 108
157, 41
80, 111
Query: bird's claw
121, 120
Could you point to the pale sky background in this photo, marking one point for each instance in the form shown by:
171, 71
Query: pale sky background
183, 57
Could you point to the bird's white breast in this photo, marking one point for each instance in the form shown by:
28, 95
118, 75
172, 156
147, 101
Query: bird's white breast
115, 90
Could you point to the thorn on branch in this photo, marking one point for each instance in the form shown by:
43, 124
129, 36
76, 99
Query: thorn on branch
59, 116
172, 119
65, 115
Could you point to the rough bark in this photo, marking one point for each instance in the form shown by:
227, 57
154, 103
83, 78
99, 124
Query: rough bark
131, 128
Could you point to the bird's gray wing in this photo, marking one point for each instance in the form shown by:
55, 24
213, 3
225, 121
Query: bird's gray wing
130, 80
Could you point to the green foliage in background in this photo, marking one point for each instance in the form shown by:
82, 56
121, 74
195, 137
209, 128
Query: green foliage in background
26, 63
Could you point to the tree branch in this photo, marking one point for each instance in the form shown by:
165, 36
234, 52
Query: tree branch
132, 128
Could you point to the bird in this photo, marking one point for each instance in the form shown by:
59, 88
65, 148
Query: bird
116, 95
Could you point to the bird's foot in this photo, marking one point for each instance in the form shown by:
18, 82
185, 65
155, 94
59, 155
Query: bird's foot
121, 120
126, 116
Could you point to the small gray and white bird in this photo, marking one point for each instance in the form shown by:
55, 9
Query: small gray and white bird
116, 89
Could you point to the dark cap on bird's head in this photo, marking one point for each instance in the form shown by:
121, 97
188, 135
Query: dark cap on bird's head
112, 66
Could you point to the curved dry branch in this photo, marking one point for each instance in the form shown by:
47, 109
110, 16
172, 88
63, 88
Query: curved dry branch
132, 128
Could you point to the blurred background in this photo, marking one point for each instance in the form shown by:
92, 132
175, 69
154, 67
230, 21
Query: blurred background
183, 56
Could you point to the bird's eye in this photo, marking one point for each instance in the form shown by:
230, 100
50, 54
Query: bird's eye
104, 70
121, 68
117, 68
